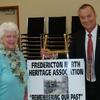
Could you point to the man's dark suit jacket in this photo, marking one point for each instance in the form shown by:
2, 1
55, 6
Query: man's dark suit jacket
77, 50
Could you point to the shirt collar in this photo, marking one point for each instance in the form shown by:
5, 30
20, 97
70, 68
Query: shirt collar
93, 31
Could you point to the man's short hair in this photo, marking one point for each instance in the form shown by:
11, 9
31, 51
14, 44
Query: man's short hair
86, 5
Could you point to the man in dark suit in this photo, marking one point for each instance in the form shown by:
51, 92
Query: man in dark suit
78, 48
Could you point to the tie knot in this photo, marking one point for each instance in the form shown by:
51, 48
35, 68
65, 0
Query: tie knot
89, 35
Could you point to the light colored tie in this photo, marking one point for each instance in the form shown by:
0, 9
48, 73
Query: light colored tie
90, 58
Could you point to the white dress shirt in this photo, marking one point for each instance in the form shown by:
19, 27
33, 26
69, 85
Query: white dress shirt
94, 38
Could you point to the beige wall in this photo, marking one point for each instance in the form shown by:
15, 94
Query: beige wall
45, 8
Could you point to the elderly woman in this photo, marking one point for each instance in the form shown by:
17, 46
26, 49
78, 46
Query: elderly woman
12, 64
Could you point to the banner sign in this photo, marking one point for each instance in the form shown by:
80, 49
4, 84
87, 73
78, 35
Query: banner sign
58, 79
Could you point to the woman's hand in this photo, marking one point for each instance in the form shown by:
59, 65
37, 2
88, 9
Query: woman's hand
45, 54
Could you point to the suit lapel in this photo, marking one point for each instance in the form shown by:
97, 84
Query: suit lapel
83, 44
97, 51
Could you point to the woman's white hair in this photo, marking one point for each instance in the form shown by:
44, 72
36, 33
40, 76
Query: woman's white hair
8, 27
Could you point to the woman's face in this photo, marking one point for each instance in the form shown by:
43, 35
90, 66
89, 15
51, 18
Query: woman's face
10, 40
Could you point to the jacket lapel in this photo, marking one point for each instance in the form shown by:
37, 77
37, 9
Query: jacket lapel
97, 51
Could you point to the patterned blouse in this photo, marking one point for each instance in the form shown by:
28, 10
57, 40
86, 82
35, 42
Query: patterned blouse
12, 74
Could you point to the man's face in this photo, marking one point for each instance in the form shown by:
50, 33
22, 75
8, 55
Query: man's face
87, 18
10, 40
